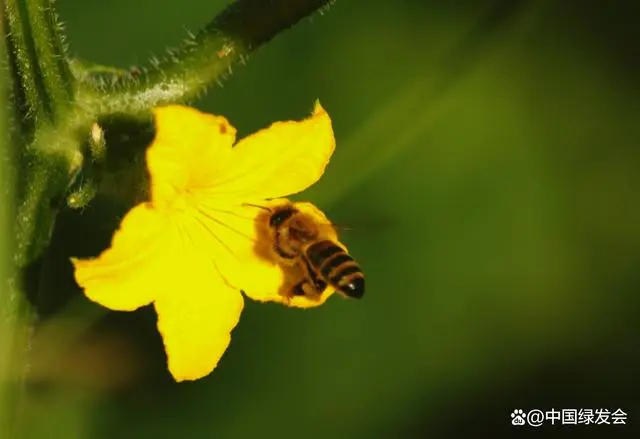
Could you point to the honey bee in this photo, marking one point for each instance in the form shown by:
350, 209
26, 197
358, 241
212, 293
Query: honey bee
301, 240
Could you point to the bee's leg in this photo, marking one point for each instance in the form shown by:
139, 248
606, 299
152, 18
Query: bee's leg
318, 284
286, 256
306, 289
298, 289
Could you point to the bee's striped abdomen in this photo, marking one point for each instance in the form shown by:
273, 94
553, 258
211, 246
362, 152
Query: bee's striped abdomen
334, 265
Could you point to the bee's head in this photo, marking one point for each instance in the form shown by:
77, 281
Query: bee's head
281, 215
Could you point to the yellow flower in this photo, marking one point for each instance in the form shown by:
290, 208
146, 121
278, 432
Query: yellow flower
197, 243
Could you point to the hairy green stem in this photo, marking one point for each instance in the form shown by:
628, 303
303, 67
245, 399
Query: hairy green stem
50, 51
26, 74
35, 157
186, 72
47, 180
46, 145
15, 312
40, 71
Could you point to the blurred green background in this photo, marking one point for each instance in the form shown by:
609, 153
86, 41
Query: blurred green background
488, 161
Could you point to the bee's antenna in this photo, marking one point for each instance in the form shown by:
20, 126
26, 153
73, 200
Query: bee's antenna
258, 206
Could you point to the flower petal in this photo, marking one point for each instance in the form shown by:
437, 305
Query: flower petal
197, 308
189, 150
125, 276
283, 159
196, 322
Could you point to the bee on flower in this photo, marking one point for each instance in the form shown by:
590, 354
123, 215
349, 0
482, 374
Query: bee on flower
199, 242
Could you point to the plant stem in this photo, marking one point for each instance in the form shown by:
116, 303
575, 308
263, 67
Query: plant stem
45, 146
41, 74
185, 73
36, 155
27, 78
50, 51
15, 313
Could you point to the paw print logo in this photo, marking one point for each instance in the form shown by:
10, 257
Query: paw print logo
517, 417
